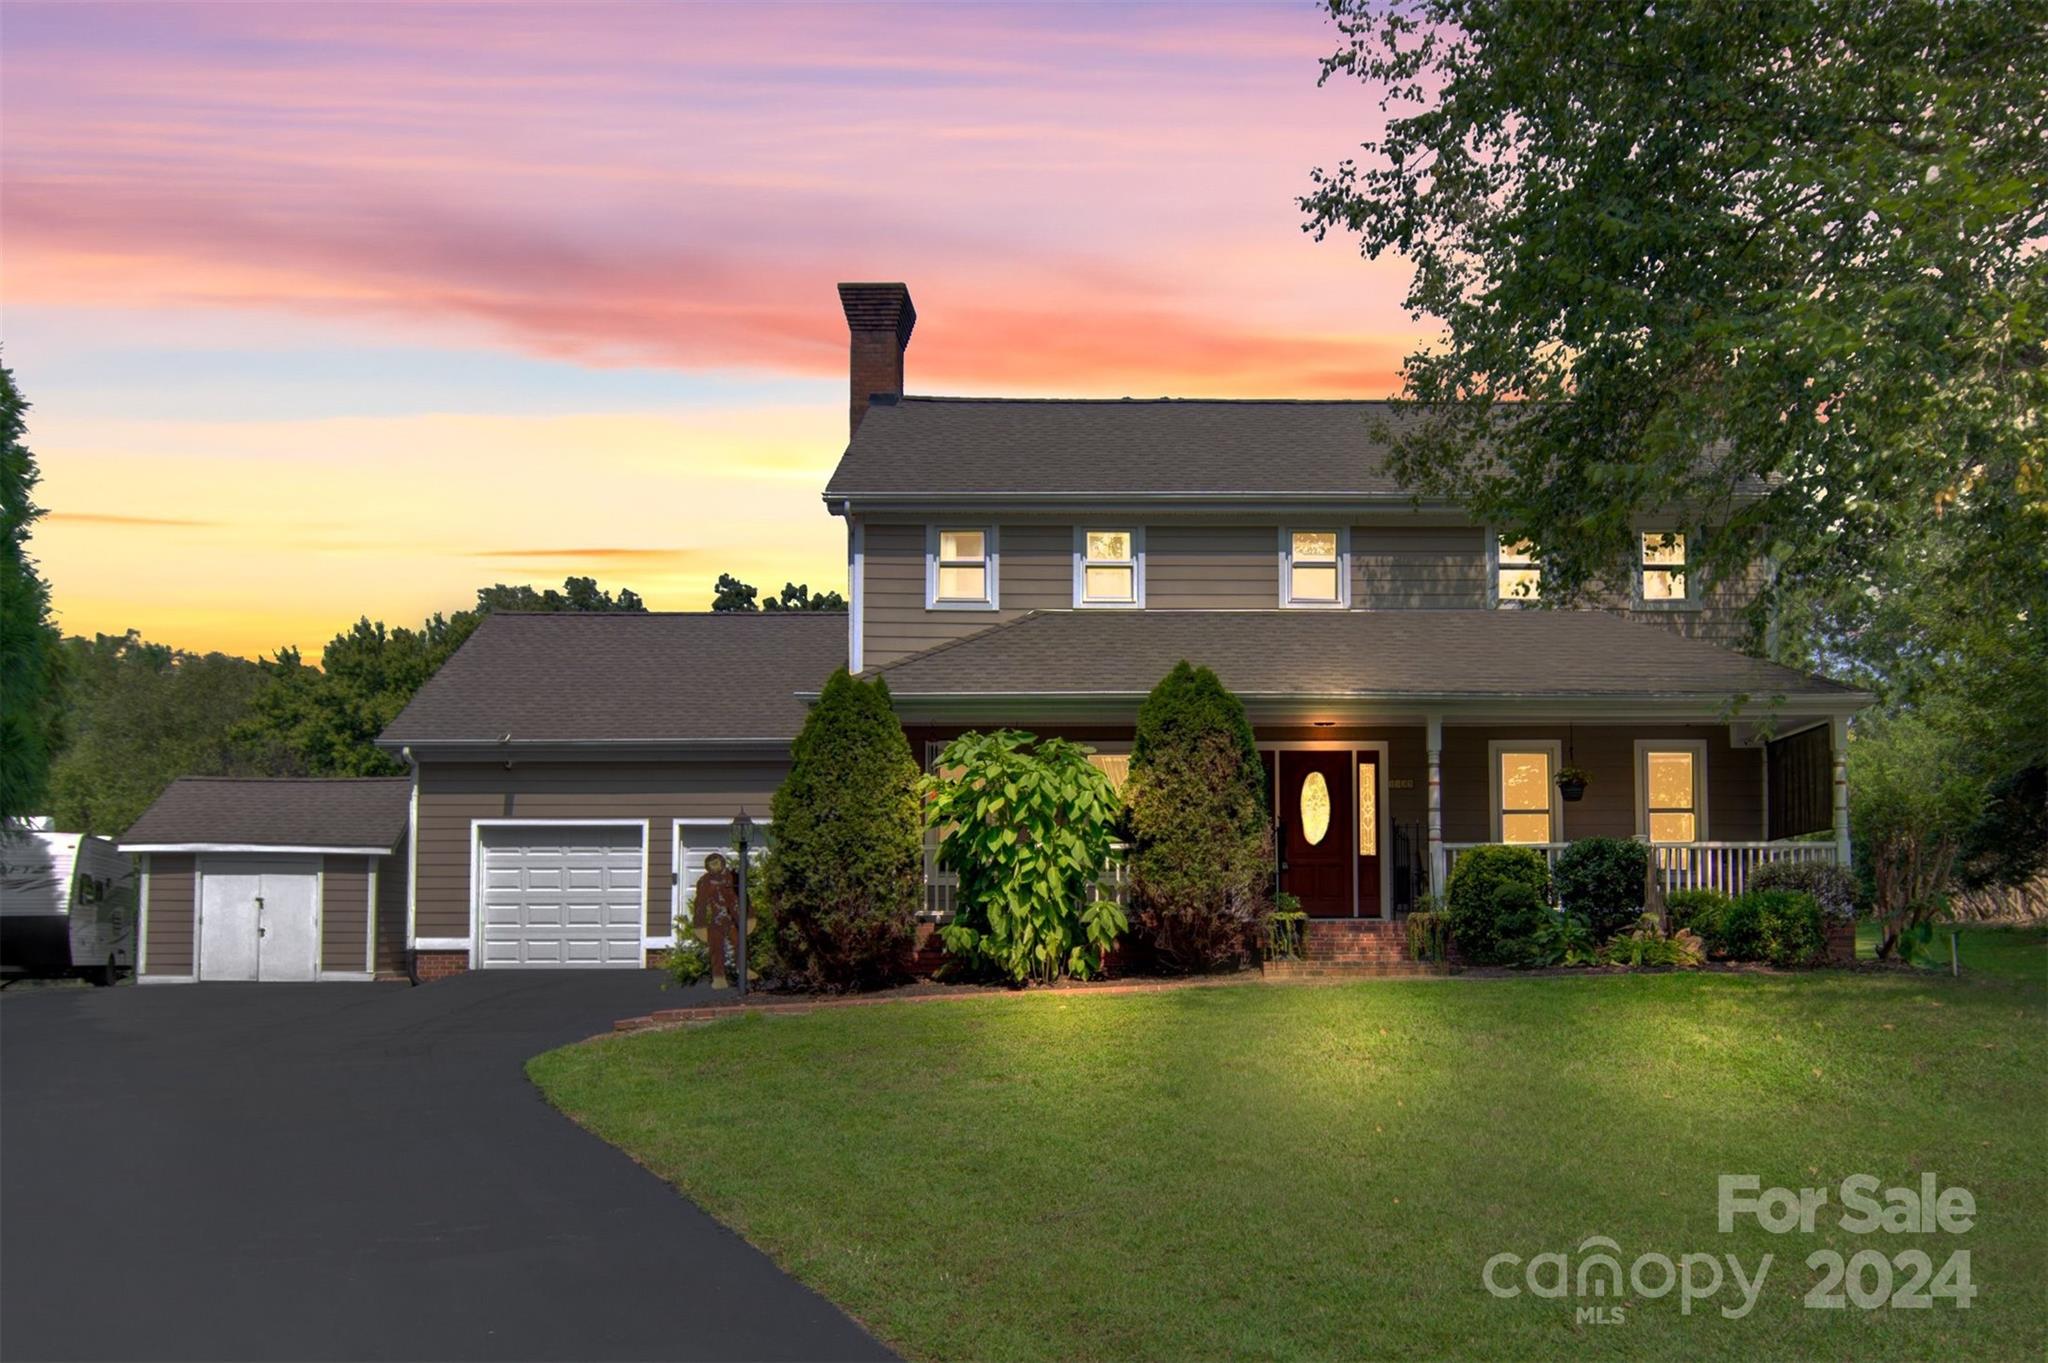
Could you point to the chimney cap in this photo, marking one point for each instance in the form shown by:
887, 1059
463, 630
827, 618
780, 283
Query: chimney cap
879, 307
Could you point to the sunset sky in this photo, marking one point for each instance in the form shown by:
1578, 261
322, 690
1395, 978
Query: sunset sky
331, 311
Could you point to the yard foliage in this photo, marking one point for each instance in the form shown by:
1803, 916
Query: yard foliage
1027, 824
1916, 796
1497, 904
844, 873
28, 641
1602, 880
1201, 835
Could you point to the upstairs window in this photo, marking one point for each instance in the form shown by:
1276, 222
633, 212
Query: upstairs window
1312, 568
1517, 576
1661, 568
960, 568
1109, 567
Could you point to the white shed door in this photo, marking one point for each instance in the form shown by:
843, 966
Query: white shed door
259, 918
563, 896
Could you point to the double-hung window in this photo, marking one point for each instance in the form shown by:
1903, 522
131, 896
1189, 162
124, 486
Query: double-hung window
1671, 785
1109, 567
1661, 568
1313, 567
960, 568
1517, 575
1524, 791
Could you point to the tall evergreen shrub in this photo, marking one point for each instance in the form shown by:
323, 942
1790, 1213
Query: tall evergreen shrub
845, 873
1201, 847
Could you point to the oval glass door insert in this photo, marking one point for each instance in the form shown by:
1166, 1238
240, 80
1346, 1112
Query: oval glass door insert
1315, 808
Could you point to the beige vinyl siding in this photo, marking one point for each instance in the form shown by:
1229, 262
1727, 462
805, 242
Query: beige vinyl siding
451, 795
1409, 567
344, 912
391, 874
170, 915
1719, 618
1034, 571
1607, 754
1212, 567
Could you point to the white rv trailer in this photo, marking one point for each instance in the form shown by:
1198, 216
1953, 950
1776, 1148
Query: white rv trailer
67, 903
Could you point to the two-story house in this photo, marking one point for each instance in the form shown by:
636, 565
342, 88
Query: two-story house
1042, 564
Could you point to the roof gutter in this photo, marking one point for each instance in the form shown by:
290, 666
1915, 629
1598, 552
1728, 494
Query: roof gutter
543, 749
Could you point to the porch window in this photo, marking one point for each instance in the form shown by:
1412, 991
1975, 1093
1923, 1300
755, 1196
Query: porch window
960, 568
1524, 797
1517, 576
1671, 779
1660, 568
1312, 567
1109, 568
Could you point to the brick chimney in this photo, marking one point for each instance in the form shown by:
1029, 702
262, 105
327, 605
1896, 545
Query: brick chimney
880, 317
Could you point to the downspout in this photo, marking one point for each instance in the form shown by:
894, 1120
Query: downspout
412, 870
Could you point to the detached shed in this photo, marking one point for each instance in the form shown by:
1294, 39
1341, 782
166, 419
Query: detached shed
273, 879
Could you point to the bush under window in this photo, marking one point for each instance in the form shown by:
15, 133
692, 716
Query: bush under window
1498, 902
1789, 926
1833, 887
1601, 879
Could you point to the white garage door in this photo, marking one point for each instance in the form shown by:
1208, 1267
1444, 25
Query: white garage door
556, 896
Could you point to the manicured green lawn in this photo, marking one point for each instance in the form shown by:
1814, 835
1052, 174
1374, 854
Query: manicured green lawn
1322, 1171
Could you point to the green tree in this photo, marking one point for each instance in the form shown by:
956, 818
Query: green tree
1916, 792
1027, 824
735, 595
29, 655
1201, 835
577, 594
140, 715
845, 870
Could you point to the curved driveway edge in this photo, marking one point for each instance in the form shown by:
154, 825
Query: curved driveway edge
353, 1171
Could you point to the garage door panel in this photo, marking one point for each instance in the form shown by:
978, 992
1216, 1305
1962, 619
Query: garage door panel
562, 896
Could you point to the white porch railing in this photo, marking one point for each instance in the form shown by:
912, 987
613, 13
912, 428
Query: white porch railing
942, 887
1723, 866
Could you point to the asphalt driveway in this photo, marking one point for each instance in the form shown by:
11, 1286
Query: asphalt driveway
352, 1171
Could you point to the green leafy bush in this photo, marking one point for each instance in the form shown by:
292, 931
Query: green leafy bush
1602, 880
688, 961
1428, 935
1498, 899
1286, 927
1201, 837
1737, 931
1697, 910
1647, 945
1027, 824
845, 873
1565, 939
1832, 887
1788, 926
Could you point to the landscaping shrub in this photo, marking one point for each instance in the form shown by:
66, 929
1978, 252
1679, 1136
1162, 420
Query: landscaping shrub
1832, 887
688, 961
1737, 931
1027, 824
845, 871
1696, 910
1201, 835
1428, 935
1497, 901
1647, 945
1788, 926
1565, 939
1602, 880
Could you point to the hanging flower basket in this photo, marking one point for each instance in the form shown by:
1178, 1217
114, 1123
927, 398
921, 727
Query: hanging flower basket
1571, 783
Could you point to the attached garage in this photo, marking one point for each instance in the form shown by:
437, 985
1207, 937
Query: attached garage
561, 894
272, 881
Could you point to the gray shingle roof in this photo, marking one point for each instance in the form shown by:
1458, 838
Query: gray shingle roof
1358, 654
276, 812
617, 677
1168, 446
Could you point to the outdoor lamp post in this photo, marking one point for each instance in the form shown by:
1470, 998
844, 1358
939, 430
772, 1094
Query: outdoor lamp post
742, 835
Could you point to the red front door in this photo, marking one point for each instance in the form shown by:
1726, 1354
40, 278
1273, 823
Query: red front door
1313, 798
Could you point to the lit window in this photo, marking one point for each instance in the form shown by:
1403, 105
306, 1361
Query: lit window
1115, 765
1661, 565
1368, 808
1315, 808
1109, 568
960, 568
1518, 576
1523, 804
1315, 568
1671, 794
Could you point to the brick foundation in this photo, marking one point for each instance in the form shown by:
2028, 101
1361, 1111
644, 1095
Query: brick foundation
439, 965
1841, 939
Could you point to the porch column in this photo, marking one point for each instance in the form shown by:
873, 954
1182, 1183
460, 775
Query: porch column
1838, 748
1435, 743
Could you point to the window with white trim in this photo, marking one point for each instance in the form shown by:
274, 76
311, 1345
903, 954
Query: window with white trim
1314, 567
1524, 792
1517, 575
961, 568
1671, 790
1109, 567
1661, 568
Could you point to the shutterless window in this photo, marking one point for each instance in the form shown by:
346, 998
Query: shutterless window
1671, 794
1661, 565
1518, 576
1524, 784
963, 565
1314, 568
1109, 567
